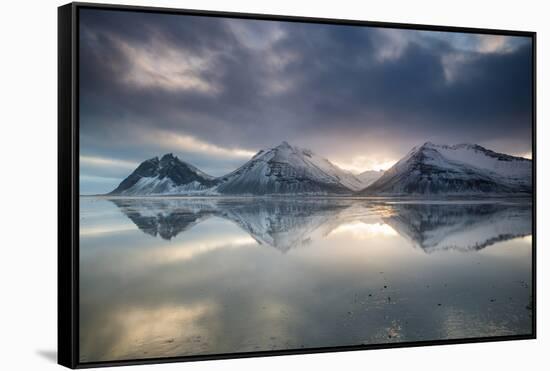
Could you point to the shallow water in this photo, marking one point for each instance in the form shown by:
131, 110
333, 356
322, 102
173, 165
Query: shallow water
175, 277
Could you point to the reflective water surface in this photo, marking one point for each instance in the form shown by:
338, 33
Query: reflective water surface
166, 277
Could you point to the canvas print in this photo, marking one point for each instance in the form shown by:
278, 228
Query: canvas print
253, 185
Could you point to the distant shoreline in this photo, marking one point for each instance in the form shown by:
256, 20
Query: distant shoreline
454, 198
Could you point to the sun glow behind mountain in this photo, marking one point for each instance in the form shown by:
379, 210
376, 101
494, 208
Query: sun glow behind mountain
360, 164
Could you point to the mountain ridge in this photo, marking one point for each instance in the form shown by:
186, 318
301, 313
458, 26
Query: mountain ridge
165, 175
288, 169
426, 170
431, 169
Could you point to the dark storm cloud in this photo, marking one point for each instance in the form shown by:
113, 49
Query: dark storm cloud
491, 92
213, 90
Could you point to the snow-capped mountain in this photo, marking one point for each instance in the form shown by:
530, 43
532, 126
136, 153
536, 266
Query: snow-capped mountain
165, 176
465, 169
370, 176
286, 169
429, 169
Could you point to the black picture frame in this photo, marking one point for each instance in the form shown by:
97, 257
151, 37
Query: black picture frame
68, 182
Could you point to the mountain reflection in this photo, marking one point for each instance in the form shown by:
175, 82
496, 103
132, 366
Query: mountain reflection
164, 218
463, 227
286, 224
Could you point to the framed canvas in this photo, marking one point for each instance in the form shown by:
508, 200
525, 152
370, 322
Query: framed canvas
241, 185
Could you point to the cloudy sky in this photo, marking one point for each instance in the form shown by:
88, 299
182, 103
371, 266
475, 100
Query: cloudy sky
214, 91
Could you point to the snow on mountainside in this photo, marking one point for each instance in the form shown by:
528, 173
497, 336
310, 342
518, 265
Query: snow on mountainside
429, 169
165, 176
517, 168
370, 176
465, 169
288, 170
281, 170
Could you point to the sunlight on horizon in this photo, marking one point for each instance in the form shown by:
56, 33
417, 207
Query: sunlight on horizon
360, 164
528, 155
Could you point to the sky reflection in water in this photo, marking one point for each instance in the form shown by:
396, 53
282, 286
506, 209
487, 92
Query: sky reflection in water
174, 277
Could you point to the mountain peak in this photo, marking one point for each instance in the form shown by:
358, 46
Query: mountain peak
168, 175
284, 144
152, 160
168, 157
461, 146
420, 147
454, 146
286, 169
